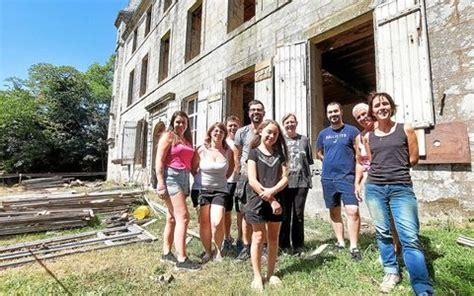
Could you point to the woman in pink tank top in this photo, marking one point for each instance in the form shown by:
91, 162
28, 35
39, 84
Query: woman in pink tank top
173, 165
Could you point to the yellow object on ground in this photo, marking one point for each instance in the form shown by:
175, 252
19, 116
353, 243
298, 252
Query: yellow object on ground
141, 212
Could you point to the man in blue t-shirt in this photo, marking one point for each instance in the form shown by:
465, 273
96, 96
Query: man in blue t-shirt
336, 149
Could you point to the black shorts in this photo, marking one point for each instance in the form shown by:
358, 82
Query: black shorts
195, 197
212, 198
229, 201
262, 213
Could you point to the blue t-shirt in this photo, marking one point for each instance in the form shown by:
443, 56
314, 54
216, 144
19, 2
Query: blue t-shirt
338, 150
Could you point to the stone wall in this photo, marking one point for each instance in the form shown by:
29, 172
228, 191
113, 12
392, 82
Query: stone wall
278, 22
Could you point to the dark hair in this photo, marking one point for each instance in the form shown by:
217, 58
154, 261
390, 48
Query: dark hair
256, 102
221, 126
187, 133
280, 143
373, 96
232, 118
334, 103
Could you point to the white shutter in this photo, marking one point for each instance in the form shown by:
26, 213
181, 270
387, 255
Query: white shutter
402, 59
128, 141
291, 84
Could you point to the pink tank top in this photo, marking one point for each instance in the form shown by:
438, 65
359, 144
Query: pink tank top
180, 157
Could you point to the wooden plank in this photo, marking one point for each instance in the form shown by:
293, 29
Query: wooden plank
60, 239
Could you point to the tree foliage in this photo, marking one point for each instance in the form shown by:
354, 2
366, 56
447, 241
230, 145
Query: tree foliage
56, 120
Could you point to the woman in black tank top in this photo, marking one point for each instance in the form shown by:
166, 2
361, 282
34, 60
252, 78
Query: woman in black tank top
393, 150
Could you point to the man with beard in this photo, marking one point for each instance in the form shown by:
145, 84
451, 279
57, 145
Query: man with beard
336, 149
242, 141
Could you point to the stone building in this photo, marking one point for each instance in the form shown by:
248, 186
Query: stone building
210, 57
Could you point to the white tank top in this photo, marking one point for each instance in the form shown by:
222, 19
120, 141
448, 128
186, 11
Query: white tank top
213, 174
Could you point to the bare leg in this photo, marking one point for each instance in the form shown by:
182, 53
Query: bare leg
217, 227
239, 226
353, 224
181, 216
273, 232
168, 232
337, 224
205, 228
227, 224
256, 251
246, 232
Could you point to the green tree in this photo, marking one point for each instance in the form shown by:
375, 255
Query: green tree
22, 142
64, 112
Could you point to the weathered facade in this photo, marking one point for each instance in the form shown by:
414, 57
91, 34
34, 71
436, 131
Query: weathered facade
209, 58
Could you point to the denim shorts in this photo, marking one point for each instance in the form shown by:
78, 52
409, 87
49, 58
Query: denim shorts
337, 190
177, 181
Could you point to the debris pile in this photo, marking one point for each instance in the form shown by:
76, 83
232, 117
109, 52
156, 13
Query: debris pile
34, 221
39, 212
42, 183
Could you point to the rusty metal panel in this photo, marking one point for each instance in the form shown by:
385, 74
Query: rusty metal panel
402, 59
447, 143
291, 84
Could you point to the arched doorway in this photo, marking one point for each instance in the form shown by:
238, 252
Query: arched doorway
157, 132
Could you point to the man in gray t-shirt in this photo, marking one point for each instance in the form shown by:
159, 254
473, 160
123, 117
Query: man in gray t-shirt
243, 137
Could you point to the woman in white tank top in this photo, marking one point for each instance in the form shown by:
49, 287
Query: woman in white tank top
216, 164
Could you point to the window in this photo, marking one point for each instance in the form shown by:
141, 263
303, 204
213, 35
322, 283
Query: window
166, 4
131, 80
164, 56
135, 36
148, 20
239, 11
144, 75
193, 32
191, 105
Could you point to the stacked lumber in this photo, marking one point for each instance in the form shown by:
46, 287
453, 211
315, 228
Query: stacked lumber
19, 254
33, 221
42, 183
100, 202
40, 212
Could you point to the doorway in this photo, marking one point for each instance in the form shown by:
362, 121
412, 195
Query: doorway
241, 90
343, 69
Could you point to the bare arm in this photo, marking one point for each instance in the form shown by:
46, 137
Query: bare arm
412, 144
320, 154
236, 155
230, 159
359, 174
195, 162
164, 144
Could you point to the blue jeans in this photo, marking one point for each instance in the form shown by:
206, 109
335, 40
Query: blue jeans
399, 201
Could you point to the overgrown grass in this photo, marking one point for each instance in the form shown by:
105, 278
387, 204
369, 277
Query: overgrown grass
133, 269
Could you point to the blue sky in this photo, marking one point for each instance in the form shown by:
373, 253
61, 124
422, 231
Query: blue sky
77, 33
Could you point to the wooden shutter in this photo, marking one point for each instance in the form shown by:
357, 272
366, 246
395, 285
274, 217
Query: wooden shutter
402, 59
291, 84
128, 141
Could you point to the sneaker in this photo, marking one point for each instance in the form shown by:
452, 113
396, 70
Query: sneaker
188, 265
298, 252
390, 280
355, 255
339, 246
239, 245
244, 255
205, 258
168, 258
226, 246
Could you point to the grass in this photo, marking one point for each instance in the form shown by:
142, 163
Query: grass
133, 269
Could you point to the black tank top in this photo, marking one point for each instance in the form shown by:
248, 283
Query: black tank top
390, 162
